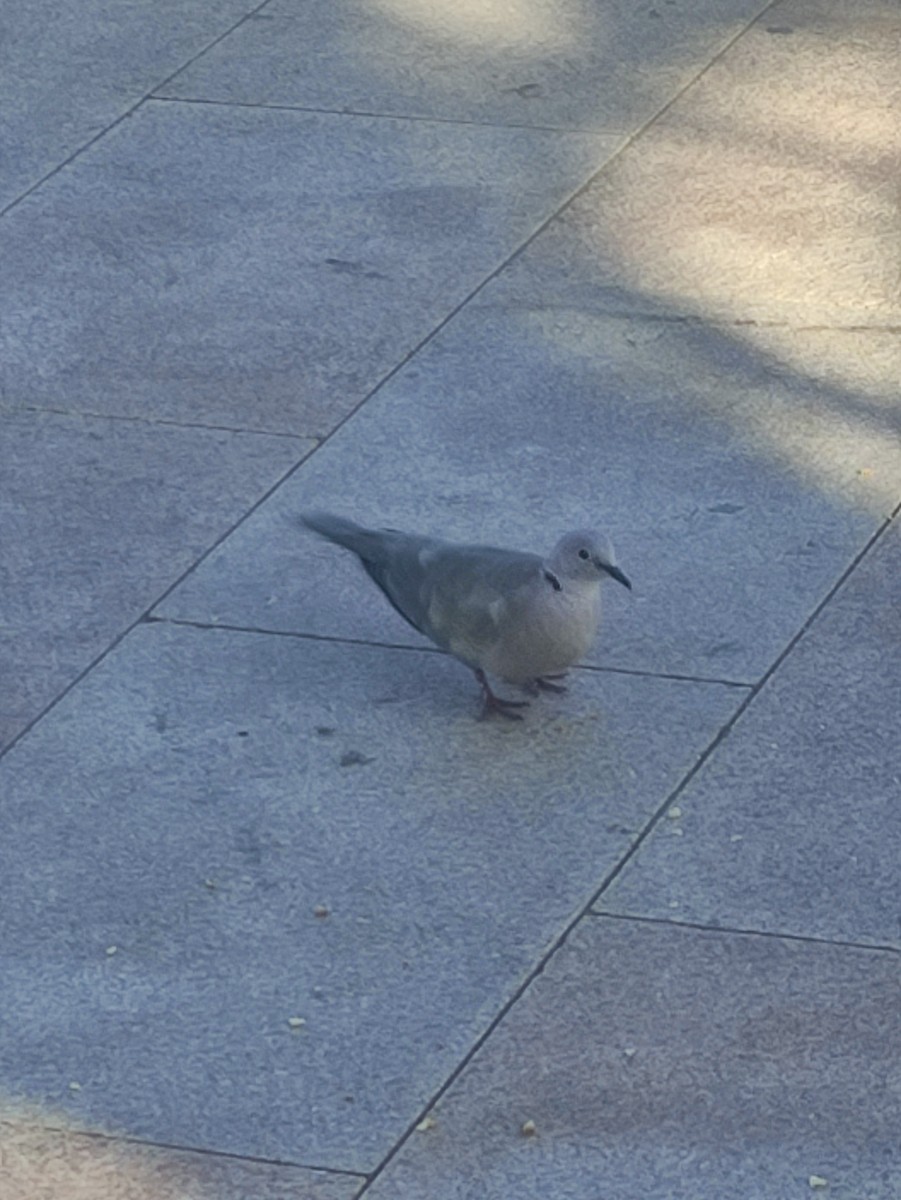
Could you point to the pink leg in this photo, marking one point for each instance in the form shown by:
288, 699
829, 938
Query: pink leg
495, 704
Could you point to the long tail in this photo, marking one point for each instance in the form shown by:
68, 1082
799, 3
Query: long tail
385, 555
367, 543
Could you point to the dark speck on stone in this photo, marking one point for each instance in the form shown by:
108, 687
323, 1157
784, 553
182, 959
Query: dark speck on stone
325, 730
243, 733
725, 508
723, 648
353, 758
345, 267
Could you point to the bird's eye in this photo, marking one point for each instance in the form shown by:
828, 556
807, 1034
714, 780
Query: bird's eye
583, 554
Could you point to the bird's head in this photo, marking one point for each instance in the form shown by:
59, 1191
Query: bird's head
587, 556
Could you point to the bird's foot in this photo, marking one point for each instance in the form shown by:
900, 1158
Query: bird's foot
545, 683
497, 704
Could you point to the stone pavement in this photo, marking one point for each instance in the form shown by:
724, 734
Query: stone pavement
280, 919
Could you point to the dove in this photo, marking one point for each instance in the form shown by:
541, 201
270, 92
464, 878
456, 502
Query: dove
507, 613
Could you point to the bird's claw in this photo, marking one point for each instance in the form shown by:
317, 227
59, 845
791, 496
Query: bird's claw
544, 683
497, 704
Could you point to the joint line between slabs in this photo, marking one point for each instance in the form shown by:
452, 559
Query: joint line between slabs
587, 908
342, 640
206, 1151
421, 118
524, 244
146, 616
729, 725
169, 423
738, 931
130, 111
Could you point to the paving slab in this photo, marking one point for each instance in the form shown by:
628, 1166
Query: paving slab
66, 73
42, 1162
765, 192
261, 269
794, 824
174, 823
606, 66
676, 1064
99, 517
736, 490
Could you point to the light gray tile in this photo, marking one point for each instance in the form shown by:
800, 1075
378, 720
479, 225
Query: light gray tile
765, 193
736, 488
98, 517
676, 1064
67, 72
566, 63
58, 1164
794, 824
195, 798
261, 269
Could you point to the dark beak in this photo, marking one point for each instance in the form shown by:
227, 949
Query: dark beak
616, 573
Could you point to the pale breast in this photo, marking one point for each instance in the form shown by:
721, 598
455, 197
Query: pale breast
555, 632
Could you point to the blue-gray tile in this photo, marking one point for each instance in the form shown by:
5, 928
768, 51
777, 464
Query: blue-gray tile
174, 822
56, 1163
736, 490
605, 66
66, 73
794, 824
98, 518
261, 269
676, 1064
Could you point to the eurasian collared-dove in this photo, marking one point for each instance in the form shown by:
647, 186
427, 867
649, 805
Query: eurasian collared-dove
504, 612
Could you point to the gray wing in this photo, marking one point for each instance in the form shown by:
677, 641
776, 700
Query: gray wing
456, 595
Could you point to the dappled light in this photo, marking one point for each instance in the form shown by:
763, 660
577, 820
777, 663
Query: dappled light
42, 1156
763, 203
483, 270
490, 25
745, 230
45, 1155
749, 212
775, 203
757, 207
